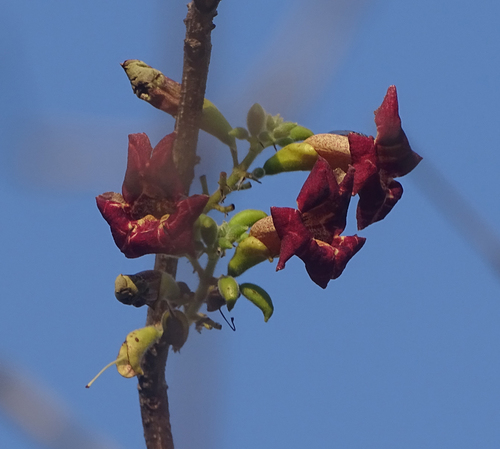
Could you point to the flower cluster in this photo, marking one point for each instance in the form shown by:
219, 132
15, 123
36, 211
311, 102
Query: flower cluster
152, 215
344, 165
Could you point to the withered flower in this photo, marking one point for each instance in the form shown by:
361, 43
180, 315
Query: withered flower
312, 232
152, 215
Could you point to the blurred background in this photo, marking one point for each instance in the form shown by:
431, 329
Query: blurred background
401, 351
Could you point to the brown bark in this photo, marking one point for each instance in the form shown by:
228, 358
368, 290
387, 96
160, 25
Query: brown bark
152, 386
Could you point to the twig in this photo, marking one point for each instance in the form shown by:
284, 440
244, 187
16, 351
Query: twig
197, 47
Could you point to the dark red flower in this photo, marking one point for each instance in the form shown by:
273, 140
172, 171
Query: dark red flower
378, 161
313, 231
152, 215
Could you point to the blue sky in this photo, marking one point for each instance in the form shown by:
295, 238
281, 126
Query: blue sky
400, 351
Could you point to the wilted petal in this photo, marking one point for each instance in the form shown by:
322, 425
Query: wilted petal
151, 174
172, 234
292, 232
364, 159
325, 262
376, 199
395, 156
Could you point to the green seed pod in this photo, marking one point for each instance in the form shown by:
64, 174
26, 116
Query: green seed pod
249, 252
240, 133
256, 119
300, 133
175, 329
208, 229
229, 290
293, 157
283, 130
259, 297
247, 217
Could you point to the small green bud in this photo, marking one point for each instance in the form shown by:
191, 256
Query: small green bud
208, 229
283, 130
265, 138
249, 253
258, 173
235, 231
224, 243
214, 123
270, 122
300, 133
229, 289
240, 133
284, 141
259, 297
247, 217
293, 157
256, 119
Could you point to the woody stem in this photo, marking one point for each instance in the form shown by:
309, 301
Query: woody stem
152, 387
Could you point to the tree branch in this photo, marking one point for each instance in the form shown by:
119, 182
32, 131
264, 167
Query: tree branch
152, 386
197, 49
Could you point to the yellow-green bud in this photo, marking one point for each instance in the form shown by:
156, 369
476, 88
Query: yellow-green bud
240, 133
300, 133
214, 123
259, 297
208, 229
247, 217
249, 252
229, 290
169, 289
293, 157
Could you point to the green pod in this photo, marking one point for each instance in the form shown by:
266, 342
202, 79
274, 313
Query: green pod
249, 253
224, 243
229, 290
208, 229
284, 141
300, 133
214, 123
256, 119
259, 297
235, 232
293, 157
247, 217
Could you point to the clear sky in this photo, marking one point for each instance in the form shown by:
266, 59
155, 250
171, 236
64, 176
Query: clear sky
400, 352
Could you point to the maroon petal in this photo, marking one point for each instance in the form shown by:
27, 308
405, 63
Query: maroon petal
376, 200
364, 159
395, 156
162, 172
292, 232
172, 234
139, 153
326, 262
319, 186
323, 203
